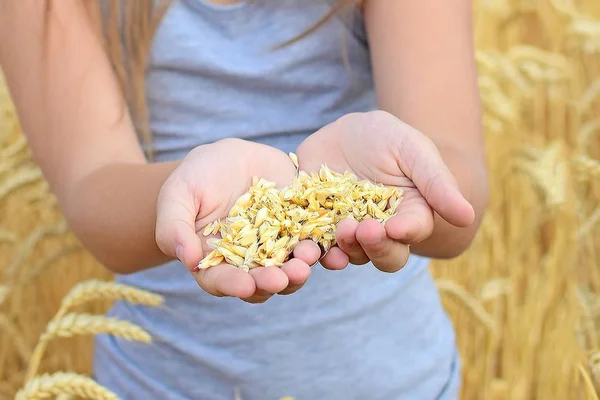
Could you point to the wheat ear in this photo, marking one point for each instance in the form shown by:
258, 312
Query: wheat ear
83, 324
49, 386
87, 324
94, 290
83, 293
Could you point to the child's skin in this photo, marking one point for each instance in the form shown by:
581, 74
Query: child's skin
133, 215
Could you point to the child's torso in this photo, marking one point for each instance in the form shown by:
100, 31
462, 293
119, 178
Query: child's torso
214, 74
352, 334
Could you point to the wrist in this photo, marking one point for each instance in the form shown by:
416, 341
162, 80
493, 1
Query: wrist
448, 241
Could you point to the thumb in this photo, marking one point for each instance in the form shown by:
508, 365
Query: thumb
175, 233
435, 181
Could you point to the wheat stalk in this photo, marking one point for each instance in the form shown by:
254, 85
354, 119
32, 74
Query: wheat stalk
4, 291
42, 265
589, 224
29, 244
9, 329
20, 144
469, 302
22, 177
587, 166
589, 97
588, 383
49, 386
7, 236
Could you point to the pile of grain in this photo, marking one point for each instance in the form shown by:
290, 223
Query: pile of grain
265, 224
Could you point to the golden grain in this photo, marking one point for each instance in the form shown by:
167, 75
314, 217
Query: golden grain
265, 224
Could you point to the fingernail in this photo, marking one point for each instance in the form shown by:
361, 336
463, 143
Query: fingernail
179, 252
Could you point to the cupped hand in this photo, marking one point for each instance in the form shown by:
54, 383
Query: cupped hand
202, 189
379, 147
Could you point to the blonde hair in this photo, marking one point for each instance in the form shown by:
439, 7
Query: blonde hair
129, 27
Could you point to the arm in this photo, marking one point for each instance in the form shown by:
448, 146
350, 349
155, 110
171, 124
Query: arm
425, 74
79, 132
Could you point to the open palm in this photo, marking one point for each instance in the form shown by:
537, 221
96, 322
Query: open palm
379, 147
201, 190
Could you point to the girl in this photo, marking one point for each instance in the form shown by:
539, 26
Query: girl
149, 118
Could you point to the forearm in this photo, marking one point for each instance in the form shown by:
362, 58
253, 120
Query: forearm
428, 79
112, 211
448, 241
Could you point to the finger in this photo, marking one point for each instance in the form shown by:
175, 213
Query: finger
297, 272
269, 280
428, 171
263, 278
385, 253
307, 251
335, 259
175, 230
412, 224
226, 280
257, 298
345, 237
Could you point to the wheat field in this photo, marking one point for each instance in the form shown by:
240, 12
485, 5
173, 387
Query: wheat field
525, 298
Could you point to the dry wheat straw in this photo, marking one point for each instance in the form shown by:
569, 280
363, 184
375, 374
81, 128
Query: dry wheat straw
7, 236
588, 383
42, 265
13, 149
587, 133
590, 222
594, 362
589, 97
588, 166
22, 177
49, 386
9, 329
29, 244
469, 302
4, 291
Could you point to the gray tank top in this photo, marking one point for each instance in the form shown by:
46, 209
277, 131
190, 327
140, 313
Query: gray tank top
352, 334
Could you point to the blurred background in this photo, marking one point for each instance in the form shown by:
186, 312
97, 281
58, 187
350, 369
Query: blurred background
525, 299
